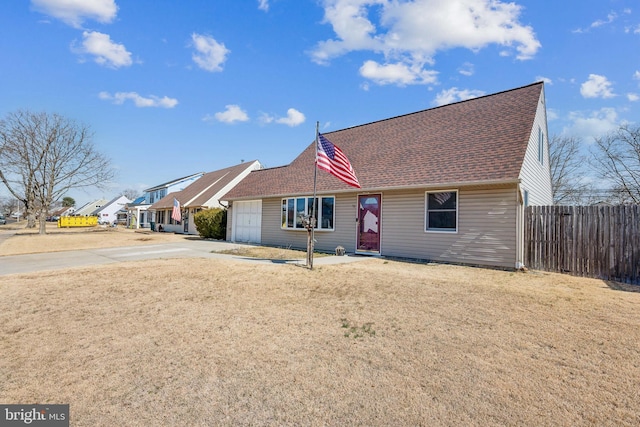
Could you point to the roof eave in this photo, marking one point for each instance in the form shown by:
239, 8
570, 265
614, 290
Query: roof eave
427, 186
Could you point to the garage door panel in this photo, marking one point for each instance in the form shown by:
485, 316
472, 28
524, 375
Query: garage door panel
247, 221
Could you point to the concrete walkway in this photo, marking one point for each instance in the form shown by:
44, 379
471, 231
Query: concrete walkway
184, 249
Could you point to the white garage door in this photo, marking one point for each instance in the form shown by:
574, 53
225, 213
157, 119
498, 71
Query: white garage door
247, 221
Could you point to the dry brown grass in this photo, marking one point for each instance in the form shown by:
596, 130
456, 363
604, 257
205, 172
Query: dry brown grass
27, 241
208, 342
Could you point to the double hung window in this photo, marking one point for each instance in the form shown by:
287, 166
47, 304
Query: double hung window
442, 211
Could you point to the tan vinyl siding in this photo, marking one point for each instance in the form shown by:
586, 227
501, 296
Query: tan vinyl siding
343, 233
536, 176
486, 228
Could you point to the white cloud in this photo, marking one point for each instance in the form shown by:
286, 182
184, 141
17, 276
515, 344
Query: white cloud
209, 55
75, 12
232, 114
105, 51
546, 80
400, 74
552, 114
265, 118
139, 101
601, 22
448, 96
596, 86
593, 124
633, 97
636, 75
294, 118
467, 69
412, 32
263, 5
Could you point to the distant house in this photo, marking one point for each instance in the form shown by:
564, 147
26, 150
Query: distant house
89, 208
447, 184
63, 211
137, 215
204, 193
108, 213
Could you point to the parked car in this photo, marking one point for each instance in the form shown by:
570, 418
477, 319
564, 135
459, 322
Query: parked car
3, 220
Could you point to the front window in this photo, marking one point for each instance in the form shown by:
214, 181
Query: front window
442, 211
294, 209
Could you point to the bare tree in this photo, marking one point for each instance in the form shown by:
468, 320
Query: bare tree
43, 156
569, 180
616, 158
131, 193
6, 205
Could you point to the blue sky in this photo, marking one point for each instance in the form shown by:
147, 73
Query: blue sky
172, 88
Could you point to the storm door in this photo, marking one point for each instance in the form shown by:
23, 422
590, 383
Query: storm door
369, 223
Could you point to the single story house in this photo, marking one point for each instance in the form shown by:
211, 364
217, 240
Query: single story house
89, 208
63, 211
203, 193
447, 184
108, 213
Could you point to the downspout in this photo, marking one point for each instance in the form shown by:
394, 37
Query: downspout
519, 229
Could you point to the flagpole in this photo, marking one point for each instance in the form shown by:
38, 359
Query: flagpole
312, 220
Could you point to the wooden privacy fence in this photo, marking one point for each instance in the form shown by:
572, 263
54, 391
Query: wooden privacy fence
592, 241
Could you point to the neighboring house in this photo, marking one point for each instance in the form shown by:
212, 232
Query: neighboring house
204, 193
108, 213
143, 219
63, 211
89, 208
137, 215
447, 184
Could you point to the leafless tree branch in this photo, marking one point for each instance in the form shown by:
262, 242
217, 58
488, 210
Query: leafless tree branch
43, 156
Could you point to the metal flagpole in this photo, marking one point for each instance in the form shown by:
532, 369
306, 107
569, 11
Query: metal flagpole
312, 220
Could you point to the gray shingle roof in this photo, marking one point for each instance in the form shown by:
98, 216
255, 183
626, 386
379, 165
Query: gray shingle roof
478, 140
203, 189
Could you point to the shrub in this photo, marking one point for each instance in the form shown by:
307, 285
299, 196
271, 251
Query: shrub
211, 223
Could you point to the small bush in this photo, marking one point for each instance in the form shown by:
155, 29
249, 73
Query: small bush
211, 223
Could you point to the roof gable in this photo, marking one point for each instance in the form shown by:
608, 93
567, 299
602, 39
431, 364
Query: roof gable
205, 188
119, 202
480, 140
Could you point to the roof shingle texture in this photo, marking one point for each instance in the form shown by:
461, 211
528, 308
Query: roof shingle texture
203, 189
483, 139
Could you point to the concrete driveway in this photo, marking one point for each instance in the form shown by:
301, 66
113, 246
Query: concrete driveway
184, 249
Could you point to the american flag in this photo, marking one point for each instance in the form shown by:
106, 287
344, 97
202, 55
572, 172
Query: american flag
176, 215
331, 159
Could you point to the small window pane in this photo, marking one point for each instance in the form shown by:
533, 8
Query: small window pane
290, 213
284, 212
327, 212
442, 201
442, 220
300, 210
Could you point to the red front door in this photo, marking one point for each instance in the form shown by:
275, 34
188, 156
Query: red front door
369, 223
